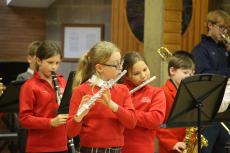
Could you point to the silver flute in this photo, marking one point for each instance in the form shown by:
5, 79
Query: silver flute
143, 84
97, 95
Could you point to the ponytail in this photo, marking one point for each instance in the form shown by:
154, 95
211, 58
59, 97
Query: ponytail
98, 54
84, 71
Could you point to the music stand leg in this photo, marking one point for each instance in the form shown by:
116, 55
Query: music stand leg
199, 105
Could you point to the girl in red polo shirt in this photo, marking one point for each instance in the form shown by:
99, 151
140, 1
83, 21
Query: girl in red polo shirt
180, 65
38, 104
149, 103
101, 126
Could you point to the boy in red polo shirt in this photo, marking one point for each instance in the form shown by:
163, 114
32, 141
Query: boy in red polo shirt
180, 65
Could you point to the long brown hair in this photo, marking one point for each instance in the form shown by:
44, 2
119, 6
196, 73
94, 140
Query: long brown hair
47, 49
130, 59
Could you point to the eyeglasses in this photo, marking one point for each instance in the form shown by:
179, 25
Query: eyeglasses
221, 27
116, 66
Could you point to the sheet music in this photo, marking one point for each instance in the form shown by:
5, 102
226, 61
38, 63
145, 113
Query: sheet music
226, 99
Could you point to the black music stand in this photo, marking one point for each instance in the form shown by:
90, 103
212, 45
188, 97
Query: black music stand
9, 100
10, 70
64, 109
9, 103
197, 102
64, 105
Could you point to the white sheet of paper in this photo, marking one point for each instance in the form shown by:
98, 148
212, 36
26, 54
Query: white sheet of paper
226, 99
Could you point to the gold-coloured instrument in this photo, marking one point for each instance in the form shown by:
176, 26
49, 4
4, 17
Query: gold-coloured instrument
191, 133
191, 140
164, 53
2, 87
226, 38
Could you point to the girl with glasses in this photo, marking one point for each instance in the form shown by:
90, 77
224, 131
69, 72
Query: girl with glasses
101, 126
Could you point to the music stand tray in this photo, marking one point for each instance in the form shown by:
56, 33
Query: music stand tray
197, 101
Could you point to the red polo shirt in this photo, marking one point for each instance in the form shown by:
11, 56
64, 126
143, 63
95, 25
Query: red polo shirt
37, 107
170, 136
150, 104
101, 127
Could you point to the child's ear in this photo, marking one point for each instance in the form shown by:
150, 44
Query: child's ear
172, 70
209, 25
29, 58
98, 67
38, 61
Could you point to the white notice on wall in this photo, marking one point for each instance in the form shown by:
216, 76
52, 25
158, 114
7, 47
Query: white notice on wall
78, 40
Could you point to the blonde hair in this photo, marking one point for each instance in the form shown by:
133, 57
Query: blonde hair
33, 47
218, 16
98, 54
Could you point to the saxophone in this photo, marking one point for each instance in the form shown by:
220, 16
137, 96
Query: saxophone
59, 97
190, 139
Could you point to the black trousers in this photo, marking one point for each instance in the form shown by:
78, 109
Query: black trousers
217, 137
22, 139
100, 150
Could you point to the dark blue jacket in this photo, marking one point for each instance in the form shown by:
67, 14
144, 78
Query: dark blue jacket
211, 57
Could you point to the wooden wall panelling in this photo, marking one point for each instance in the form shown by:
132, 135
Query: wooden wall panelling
125, 39
114, 22
19, 27
172, 24
197, 25
122, 35
120, 27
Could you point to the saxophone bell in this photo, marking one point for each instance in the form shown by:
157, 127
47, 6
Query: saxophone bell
164, 53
